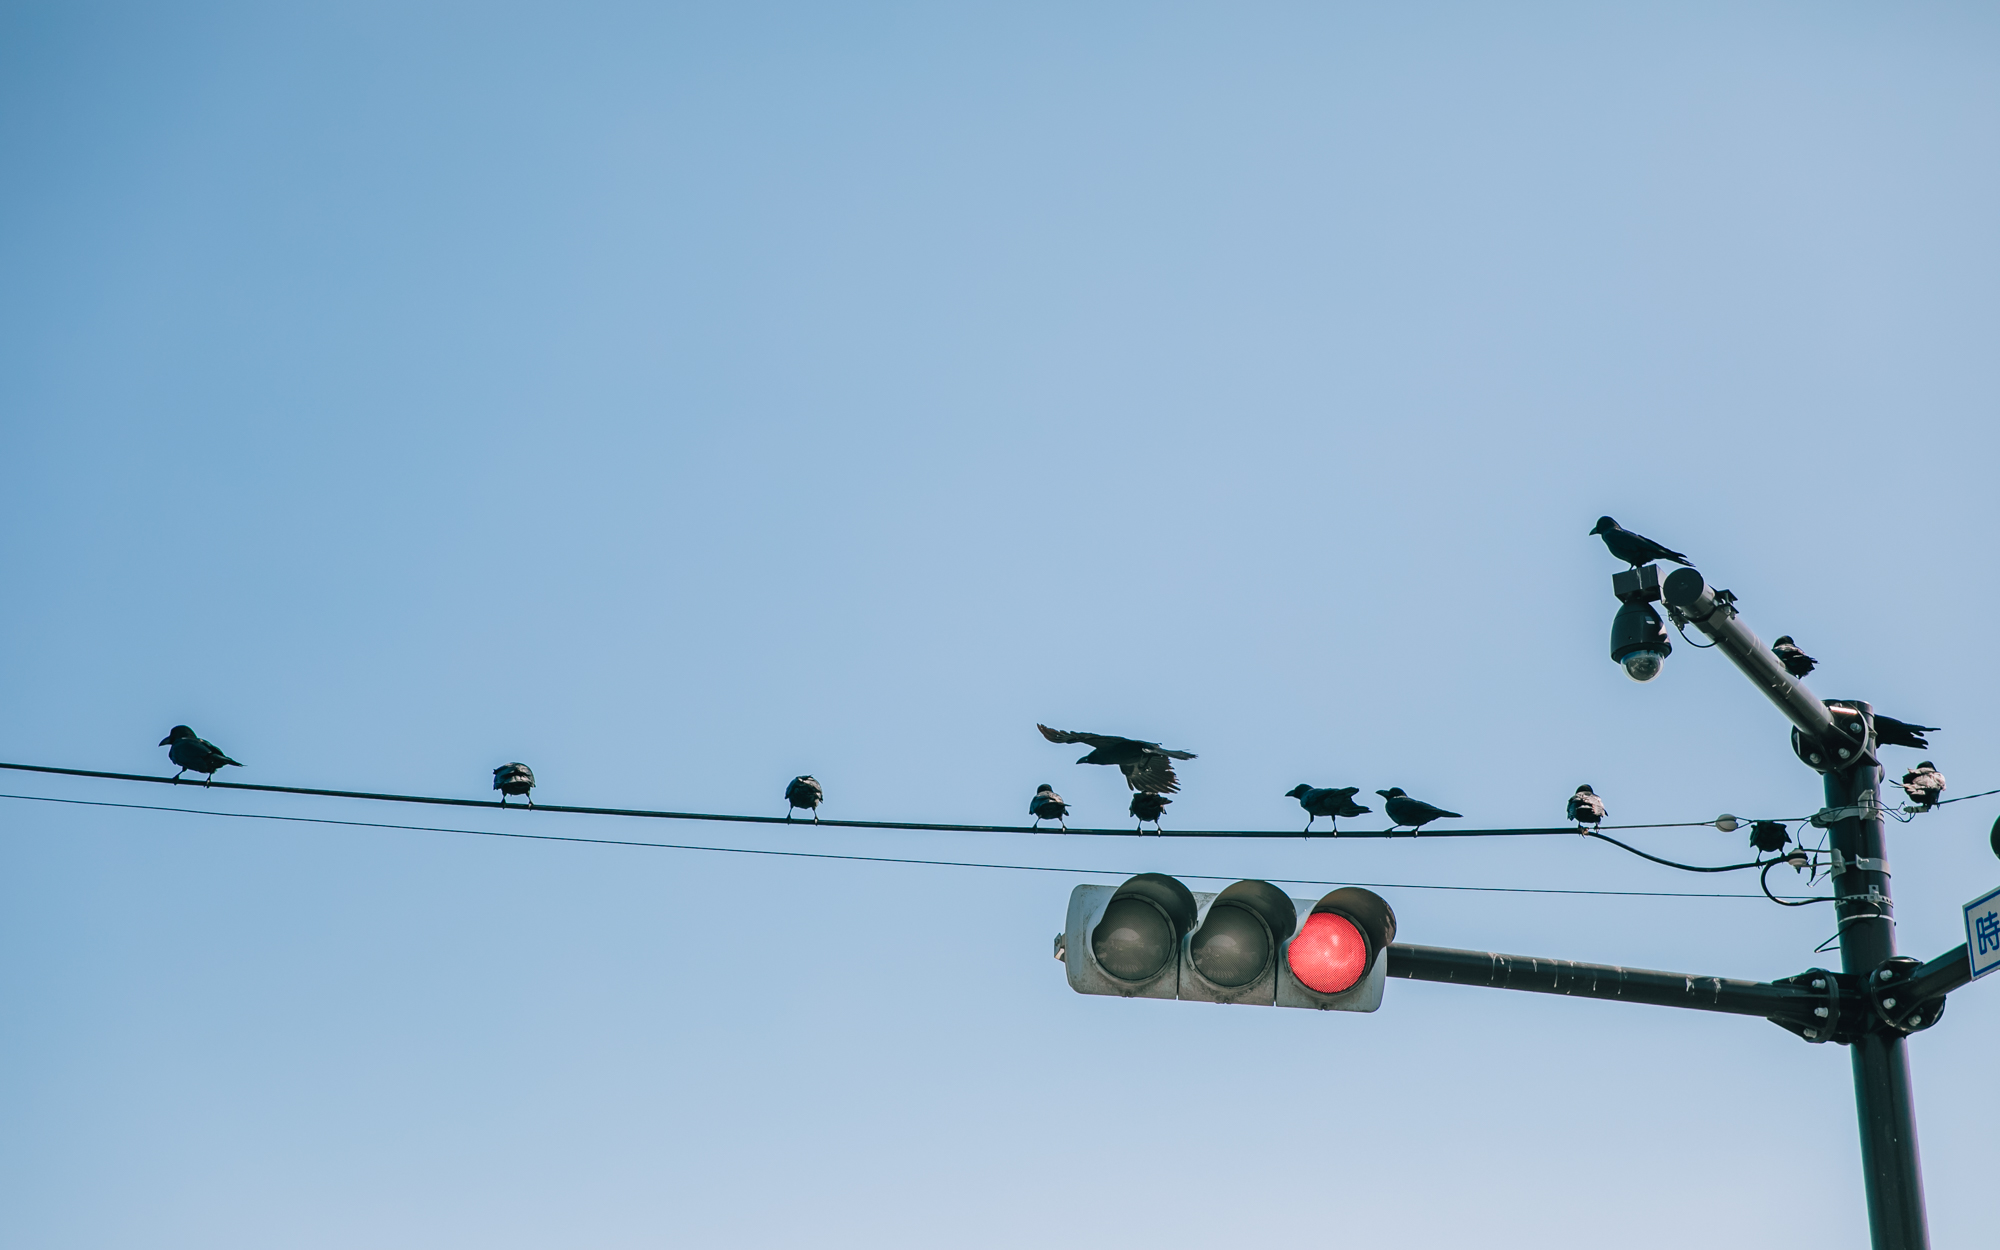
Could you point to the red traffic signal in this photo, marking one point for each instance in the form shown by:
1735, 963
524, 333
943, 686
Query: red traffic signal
1152, 937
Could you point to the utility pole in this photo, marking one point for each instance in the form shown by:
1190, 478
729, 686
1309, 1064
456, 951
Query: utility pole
1149, 937
1839, 741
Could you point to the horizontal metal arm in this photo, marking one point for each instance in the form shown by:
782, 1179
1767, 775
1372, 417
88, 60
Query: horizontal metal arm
1940, 976
1632, 985
1689, 595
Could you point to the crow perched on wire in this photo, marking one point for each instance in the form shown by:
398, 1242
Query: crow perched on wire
1146, 765
1768, 835
1328, 803
805, 793
1048, 805
1149, 805
1796, 662
1634, 549
190, 752
514, 778
1891, 732
1925, 785
1585, 808
1405, 810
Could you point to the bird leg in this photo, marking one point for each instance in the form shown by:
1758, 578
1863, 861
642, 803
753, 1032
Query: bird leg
788, 815
177, 777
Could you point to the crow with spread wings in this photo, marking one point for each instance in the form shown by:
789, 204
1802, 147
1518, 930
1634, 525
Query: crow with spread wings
1145, 764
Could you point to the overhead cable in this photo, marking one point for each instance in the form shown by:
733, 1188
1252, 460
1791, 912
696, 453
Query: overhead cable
866, 859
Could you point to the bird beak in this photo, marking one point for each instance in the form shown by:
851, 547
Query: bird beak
164, 741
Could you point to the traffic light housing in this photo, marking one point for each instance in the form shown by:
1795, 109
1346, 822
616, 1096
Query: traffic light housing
1152, 937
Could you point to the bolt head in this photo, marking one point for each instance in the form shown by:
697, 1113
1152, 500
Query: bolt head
1889, 1004
1819, 984
1816, 759
1887, 974
1820, 1012
1844, 753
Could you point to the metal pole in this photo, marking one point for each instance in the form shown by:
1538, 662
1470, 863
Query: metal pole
1889, 1164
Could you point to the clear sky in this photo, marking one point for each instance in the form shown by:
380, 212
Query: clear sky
682, 398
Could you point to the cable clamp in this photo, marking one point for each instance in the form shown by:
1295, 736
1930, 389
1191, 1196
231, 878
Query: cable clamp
1860, 863
1826, 817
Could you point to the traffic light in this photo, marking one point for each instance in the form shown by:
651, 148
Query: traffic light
1152, 937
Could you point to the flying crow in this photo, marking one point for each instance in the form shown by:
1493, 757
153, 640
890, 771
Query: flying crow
515, 778
1148, 805
1048, 805
805, 793
1925, 785
1796, 662
1633, 549
1891, 732
1328, 803
190, 752
1145, 764
1405, 810
1585, 808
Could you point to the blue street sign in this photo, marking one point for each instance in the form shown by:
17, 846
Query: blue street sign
1982, 933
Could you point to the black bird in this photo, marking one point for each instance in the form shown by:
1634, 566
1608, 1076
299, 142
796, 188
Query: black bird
1148, 805
1796, 662
1768, 835
514, 778
1327, 803
1891, 732
1048, 805
1634, 549
190, 752
1585, 808
806, 793
1925, 785
1405, 810
1145, 764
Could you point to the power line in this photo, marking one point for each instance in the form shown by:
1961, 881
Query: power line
866, 859
907, 826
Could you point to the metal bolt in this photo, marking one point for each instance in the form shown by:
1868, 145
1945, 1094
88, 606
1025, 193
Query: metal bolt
1819, 984
1820, 1012
1812, 1032
1815, 759
1887, 974
1844, 753
1889, 1004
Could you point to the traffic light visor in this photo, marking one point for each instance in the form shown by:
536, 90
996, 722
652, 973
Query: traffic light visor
1141, 929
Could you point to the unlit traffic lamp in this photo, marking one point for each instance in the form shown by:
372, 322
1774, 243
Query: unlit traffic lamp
1152, 937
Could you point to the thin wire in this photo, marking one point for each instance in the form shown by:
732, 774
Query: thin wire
1755, 863
1764, 883
1961, 798
866, 859
909, 826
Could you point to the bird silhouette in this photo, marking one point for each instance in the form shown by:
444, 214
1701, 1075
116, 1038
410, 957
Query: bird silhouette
1405, 810
805, 793
1796, 662
1925, 785
514, 778
1634, 549
1048, 805
1585, 808
1147, 765
1148, 805
1327, 803
1769, 835
191, 752
1891, 732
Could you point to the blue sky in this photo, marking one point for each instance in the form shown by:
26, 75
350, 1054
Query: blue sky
681, 399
